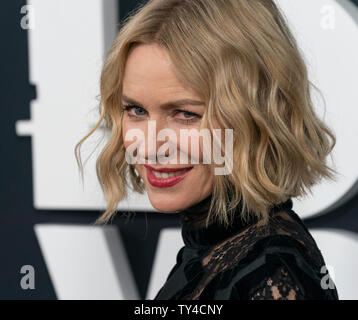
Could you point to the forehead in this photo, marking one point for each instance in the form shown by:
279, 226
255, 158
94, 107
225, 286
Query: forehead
149, 72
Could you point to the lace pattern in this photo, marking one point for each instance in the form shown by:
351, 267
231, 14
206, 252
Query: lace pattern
279, 286
230, 252
248, 261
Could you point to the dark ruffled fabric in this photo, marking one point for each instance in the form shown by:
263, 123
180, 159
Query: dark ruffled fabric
247, 261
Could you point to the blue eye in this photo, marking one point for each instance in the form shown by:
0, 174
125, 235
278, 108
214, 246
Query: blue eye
187, 114
138, 111
187, 117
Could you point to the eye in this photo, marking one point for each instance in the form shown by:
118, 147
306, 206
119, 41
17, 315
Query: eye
134, 111
186, 116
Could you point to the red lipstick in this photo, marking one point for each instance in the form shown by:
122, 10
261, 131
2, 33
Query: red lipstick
160, 182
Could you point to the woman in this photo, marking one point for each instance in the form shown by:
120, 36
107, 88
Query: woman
218, 64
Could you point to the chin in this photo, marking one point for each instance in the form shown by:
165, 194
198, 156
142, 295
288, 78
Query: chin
165, 204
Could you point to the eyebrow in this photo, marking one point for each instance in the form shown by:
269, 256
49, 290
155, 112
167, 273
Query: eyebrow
171, 104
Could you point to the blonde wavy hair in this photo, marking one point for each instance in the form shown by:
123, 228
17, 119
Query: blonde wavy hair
241, 58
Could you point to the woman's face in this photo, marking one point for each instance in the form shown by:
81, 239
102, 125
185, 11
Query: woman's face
150, 92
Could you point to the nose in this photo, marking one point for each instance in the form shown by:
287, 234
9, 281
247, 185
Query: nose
153, 143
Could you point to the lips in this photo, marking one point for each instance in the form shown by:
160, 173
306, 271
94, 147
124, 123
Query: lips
166, 177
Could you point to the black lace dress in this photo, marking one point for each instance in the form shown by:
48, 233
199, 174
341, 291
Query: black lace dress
249, 261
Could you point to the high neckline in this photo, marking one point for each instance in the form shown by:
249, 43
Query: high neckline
196, 235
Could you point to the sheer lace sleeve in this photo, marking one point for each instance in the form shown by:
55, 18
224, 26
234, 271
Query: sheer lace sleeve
278, 286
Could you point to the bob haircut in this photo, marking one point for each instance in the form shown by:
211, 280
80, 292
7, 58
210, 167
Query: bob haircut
242, 59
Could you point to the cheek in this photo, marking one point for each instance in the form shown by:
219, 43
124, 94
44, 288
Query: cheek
204, 175
131, 137
203, 181
124, 133
191, 147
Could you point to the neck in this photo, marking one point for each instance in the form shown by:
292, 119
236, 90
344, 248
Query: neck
195, 232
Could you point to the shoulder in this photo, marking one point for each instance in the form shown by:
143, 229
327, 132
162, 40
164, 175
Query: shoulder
280, 274
285, 232
276, 273
279, 261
